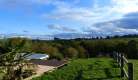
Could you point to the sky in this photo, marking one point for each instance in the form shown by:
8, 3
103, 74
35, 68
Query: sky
46, 19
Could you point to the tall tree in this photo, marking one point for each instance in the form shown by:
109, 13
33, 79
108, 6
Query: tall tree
80, 49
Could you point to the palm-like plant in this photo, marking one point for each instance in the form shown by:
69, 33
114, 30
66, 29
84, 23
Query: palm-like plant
9, 50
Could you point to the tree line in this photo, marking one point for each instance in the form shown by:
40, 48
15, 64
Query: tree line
107, 37
129, 48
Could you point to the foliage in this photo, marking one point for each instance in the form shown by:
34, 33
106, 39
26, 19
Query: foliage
62, 49
57, 56
94, 47
57, 45
70, 52
129, 48
132, 49
9, 50
40, 47
122, 46
79, 48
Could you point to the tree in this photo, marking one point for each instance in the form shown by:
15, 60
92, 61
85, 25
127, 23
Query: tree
11, 57
70, 52
108, 37
101, 38
80, 49
117, 36
121, 46
132, 49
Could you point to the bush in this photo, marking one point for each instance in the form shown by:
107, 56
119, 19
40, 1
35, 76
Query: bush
57, 56
70, 52
79, 48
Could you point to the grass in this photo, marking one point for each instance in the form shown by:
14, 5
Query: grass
116, 39
89, 69
135, 68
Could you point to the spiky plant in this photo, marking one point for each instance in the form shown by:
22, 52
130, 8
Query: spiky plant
10, 56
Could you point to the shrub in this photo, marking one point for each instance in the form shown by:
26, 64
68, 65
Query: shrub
79, 48
70, 52
57, 56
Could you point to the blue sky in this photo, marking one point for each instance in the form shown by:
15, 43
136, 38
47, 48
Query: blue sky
46, 19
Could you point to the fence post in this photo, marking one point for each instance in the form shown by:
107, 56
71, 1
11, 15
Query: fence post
118, 59
113, 56
131, 70
122, 65
88, 56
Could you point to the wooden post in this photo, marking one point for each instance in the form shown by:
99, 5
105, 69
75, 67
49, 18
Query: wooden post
118, 59
131, 70
122, 65
88, 56
113, 56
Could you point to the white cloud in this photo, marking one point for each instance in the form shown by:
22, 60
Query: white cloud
60, 27
88, 22
69, 14
125, 6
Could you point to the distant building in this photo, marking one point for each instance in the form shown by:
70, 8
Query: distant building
56, 39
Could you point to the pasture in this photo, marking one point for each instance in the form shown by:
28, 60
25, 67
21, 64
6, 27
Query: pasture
89, 69
116, 39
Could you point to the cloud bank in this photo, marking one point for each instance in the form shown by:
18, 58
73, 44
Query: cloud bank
59, 27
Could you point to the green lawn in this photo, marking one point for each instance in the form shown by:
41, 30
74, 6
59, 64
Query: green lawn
89, 69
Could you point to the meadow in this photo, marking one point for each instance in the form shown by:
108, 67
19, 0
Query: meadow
89, 69
123, 39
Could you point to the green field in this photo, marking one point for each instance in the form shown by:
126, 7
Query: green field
89, 69
116, 39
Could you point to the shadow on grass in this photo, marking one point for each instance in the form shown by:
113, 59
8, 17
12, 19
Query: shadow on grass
97, 63
107, 72
79, 75
91, 67
101, 78
113, 64
109, 75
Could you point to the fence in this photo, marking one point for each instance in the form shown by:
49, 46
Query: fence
120, 59
100, 55
117, 57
